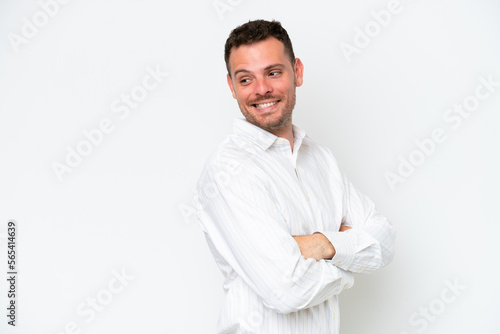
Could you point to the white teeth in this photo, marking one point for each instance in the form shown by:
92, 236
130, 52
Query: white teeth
265, 105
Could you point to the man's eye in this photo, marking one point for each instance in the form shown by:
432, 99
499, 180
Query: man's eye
275, 73
244, 81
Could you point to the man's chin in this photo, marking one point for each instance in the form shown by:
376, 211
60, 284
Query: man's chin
270, 125
269, 122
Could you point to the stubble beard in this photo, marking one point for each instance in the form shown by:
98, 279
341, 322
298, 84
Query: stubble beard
272, 126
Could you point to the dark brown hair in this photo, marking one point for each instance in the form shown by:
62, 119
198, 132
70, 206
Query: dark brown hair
256, 31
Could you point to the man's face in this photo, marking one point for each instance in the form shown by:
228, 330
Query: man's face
263, 82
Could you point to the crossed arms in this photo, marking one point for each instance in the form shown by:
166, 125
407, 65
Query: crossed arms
246, 233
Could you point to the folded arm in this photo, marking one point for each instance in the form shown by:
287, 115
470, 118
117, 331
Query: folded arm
369, 244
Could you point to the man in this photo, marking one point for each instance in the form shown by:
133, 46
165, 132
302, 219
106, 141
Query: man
285, 227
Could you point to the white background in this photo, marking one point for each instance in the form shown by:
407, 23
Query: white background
127, 205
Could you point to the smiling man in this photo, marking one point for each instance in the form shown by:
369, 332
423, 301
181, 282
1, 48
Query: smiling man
285, 226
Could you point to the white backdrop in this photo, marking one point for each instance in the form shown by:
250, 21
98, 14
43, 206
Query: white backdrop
108, 110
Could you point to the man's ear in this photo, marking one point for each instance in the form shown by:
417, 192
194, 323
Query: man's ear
230, 84
299, 72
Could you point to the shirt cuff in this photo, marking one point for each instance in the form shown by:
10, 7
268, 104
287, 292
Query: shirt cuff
344, 248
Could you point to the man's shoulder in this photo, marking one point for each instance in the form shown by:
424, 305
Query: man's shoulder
233, 151
232, 148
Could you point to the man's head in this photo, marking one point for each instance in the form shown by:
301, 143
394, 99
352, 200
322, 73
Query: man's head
263, 73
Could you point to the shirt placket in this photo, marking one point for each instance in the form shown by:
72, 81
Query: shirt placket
305, 194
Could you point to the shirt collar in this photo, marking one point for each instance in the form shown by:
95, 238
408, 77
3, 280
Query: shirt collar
261, 137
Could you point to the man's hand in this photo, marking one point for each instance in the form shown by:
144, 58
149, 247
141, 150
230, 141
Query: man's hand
317, 246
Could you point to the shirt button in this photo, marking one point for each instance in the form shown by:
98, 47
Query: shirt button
308, 198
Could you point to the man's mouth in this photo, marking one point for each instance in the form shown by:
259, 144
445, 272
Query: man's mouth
265, 105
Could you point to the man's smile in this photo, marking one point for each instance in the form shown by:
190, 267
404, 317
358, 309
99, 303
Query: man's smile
265, 105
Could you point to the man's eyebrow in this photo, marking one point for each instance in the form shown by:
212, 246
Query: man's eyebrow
241, 71
265, 69
274, 65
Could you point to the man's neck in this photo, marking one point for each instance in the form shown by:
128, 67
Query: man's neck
286, 133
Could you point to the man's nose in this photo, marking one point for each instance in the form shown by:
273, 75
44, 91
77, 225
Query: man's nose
263, 86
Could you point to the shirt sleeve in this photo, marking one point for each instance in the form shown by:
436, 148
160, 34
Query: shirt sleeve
369, 244
241, 220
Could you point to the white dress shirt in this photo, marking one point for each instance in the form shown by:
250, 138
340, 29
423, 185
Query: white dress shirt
253, 195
